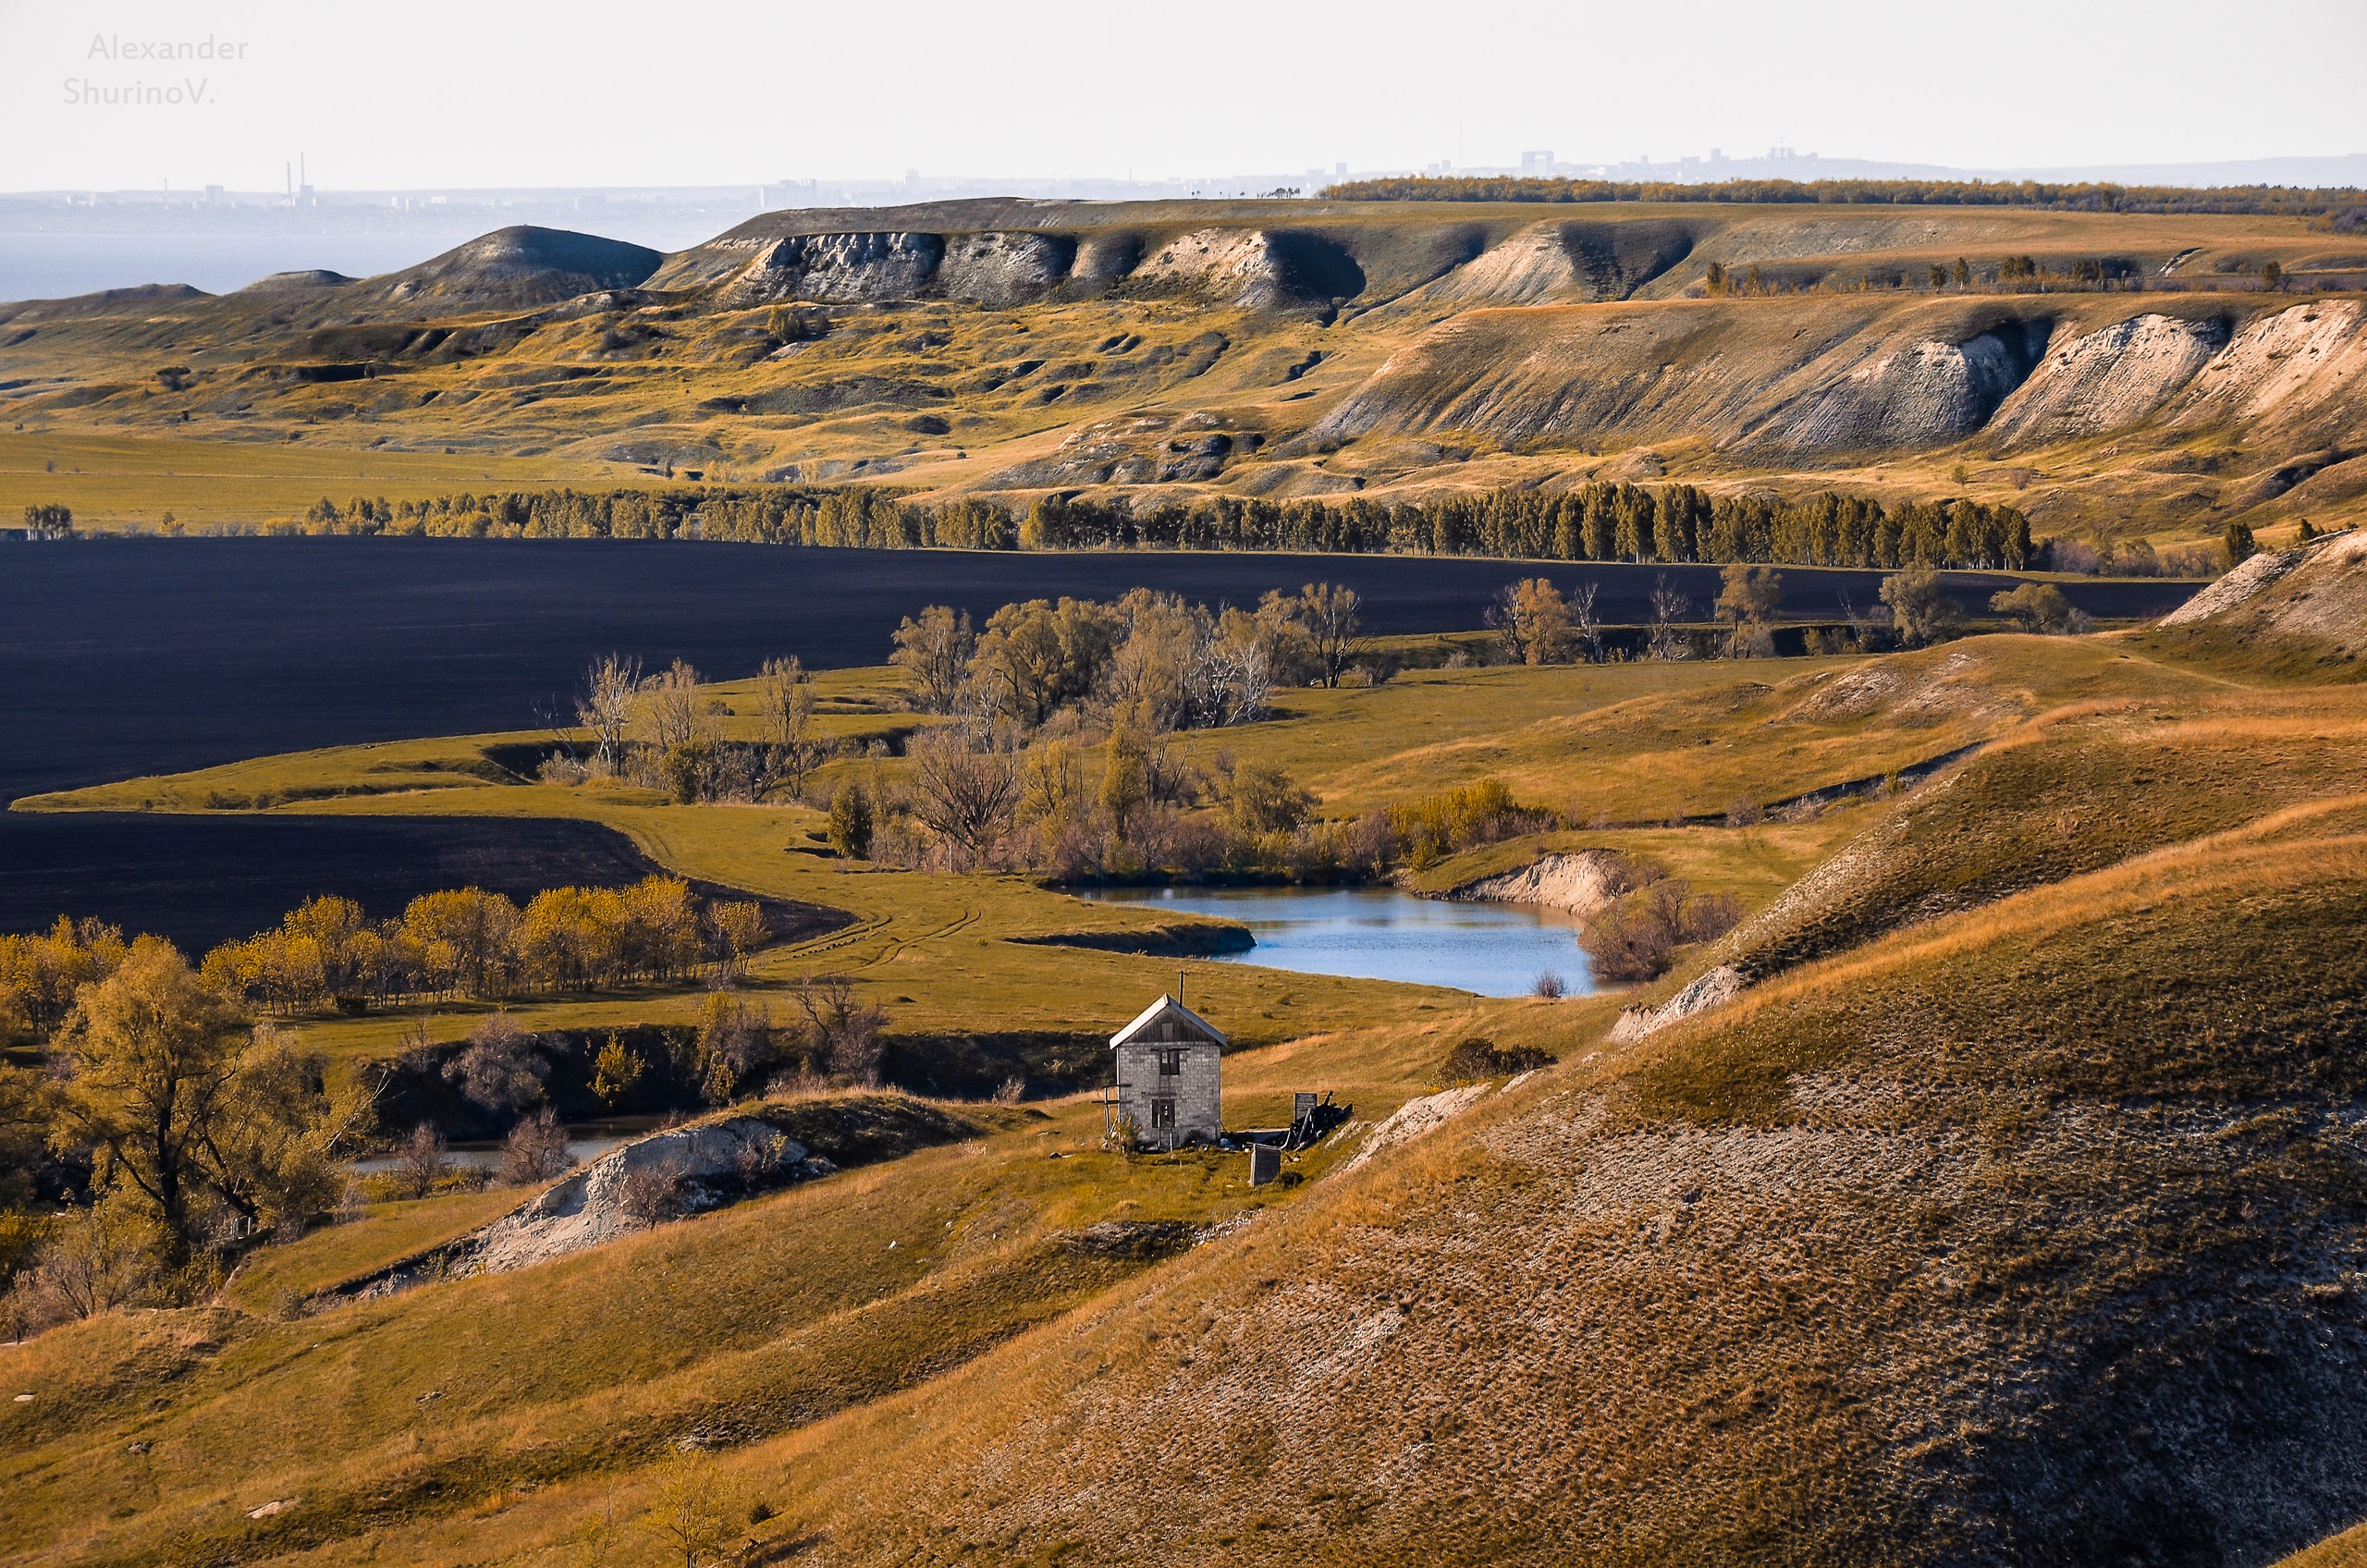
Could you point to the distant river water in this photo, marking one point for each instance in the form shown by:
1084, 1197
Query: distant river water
58, 266
128, 656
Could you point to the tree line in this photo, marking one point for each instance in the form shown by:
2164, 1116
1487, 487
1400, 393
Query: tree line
1596, 522
2080, 196
463, 942
49, 520
853, 517
469, 942
2021, 274
165, 1129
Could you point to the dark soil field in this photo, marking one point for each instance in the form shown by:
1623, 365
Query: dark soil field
206, 879
134, 656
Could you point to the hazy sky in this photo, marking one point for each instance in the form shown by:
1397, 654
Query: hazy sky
475, 92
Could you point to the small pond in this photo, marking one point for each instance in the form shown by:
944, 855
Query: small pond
1380, 933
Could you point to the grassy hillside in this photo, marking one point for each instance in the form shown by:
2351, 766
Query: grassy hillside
2344, 1551
2118, 374
2032, 1237
2014, 1214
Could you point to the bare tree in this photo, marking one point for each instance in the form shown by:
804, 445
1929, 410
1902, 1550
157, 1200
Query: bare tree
684, 731
605, 707
785, 701
935, 651
1330, 615
535, 1150
965, 786
422, 1161
671, 708
1584, 625
845, 1033
650, 1192
500, 1070
1238, 670
1670, 610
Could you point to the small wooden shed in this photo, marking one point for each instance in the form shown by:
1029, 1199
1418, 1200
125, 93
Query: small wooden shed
1170, 1077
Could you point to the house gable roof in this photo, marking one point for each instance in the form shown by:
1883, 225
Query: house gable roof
1168, 1021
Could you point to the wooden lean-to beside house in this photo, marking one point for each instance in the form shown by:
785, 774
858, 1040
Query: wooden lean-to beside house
1170, 1077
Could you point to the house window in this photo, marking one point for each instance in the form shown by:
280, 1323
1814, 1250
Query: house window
1170, 1064
1162, 1115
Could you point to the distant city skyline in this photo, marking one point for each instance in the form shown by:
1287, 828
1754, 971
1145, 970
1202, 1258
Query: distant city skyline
139, 94
298, 191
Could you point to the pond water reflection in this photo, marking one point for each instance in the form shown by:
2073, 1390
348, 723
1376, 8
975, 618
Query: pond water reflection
1380, 933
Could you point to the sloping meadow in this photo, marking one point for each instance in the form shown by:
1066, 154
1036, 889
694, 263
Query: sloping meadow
2029, 1236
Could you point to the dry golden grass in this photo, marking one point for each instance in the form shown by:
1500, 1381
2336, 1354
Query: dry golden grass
2345, 1550
2028, 1203
1605, 1321
953, 399
278, 1278
2060, 798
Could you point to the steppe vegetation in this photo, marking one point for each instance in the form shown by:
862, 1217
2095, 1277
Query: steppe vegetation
1965, 1166
2125, 369
2052, 1045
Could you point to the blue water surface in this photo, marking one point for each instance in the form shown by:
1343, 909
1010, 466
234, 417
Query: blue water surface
1380, 933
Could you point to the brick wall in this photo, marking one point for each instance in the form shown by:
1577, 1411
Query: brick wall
1198, 1090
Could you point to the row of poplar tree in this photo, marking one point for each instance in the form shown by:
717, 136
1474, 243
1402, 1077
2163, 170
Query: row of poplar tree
1593, 522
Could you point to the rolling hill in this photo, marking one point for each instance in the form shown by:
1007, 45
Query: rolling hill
2112, 375
2012, 1212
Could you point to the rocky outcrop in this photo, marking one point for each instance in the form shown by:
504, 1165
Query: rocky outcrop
1005, 269
1863, 373
2100, 381
1736, 373
1926, 394
2316, 595
1239, 262
837, 269
683, 1170
1713, 988
1584, 883
1252, 268
1563, 261
625, 1190
2248, 580
2282, 370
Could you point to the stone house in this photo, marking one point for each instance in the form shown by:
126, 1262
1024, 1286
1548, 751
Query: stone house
1170, 1077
